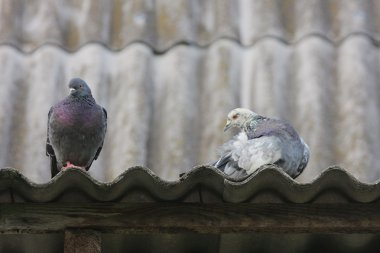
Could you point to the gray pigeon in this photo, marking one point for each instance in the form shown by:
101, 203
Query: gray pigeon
261, 141
76, 129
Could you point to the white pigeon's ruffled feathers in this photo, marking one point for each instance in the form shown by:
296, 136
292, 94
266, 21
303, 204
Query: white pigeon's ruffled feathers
262, 141
232, 150
250, 154
237, 145
258, 152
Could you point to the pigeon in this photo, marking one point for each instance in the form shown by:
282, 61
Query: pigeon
76, 129
261, 141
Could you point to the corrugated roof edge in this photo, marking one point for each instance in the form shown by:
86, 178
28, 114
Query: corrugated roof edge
269, 178
156, 50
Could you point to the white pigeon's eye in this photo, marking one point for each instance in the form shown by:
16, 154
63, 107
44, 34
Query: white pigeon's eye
235, 116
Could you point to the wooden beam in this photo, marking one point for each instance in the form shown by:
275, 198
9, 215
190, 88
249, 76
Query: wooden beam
82, 241
190, 217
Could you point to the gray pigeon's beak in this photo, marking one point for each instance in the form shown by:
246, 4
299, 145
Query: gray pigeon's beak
227, 126
72, 90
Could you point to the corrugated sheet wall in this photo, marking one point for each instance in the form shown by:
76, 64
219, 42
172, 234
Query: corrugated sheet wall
169, 71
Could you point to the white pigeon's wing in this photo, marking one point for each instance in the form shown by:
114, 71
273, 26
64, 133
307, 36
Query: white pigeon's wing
242, 156
290, 152
260, 151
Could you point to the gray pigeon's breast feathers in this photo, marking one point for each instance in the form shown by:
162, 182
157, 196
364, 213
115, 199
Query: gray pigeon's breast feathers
78, 114
77, 130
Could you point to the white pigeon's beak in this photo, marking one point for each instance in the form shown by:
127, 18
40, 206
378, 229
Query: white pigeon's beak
227, 126
72, 90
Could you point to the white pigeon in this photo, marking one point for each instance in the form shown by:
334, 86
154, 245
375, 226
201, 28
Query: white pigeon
261, 141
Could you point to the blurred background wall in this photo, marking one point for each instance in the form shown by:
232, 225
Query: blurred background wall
168, 72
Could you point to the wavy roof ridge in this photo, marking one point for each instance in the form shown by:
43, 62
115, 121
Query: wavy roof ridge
175, 44
267, 179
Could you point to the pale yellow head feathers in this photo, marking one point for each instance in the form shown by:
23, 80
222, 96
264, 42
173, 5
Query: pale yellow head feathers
237, 117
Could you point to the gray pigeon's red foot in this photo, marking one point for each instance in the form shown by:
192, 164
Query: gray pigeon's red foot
70, 165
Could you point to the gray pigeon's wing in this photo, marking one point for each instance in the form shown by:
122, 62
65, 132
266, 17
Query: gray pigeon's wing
101, 146
98, 152
50, 150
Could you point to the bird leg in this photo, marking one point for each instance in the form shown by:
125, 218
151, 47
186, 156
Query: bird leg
70, 165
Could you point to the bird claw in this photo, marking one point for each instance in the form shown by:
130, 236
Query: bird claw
70, 165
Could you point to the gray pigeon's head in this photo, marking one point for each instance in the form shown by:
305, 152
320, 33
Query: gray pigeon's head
237, 117
79, 88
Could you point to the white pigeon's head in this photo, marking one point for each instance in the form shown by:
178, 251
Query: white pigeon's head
237, 117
